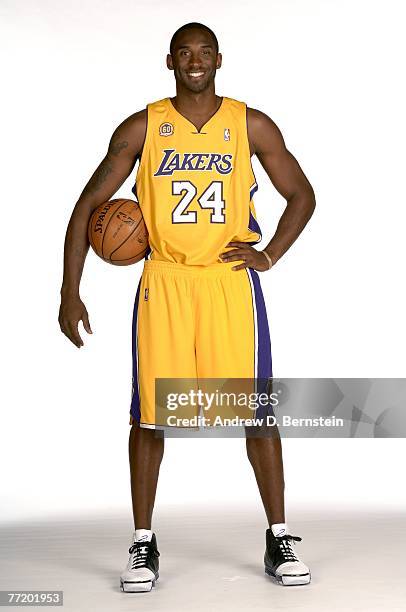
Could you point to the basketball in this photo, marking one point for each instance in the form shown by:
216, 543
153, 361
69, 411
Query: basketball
117, 232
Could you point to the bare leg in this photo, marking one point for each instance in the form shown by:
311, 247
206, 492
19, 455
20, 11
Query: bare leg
265, 455
146, 449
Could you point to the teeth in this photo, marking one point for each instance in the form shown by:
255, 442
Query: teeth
195, 74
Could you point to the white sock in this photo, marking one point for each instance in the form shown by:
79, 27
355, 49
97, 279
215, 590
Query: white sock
144, 535
279, 529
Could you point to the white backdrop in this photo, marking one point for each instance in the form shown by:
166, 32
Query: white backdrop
330, 75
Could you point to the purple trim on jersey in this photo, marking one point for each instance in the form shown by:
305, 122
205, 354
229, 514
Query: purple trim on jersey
135, 400
253, 225
253, 189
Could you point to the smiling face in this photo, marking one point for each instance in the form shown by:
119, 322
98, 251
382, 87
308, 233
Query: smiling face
194, 59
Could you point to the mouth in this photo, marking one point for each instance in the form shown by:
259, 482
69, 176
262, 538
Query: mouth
195, 75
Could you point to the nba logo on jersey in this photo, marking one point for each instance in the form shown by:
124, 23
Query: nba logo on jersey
146, 292
166, 129
226, 134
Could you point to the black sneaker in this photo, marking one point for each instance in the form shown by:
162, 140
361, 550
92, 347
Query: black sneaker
282, 562
142, 568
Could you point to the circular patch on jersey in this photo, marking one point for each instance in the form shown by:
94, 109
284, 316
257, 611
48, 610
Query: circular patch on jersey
166, 129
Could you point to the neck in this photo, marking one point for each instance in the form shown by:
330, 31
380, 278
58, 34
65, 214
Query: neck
202, 102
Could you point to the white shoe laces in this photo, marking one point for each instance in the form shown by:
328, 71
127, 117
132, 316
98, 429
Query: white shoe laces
139, 550
285, 545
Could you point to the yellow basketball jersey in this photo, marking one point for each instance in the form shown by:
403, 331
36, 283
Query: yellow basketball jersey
195, 188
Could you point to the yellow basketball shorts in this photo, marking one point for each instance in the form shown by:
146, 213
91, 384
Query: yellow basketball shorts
196, 323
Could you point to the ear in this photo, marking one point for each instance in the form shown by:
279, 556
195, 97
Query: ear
169, 62
219, 60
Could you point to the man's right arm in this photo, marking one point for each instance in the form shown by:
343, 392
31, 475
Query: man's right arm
124, 149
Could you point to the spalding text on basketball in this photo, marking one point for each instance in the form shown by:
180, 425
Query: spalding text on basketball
99, 223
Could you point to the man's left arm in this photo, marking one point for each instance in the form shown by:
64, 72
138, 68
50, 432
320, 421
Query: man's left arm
267, 143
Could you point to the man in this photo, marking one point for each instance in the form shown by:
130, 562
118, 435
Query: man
199, 310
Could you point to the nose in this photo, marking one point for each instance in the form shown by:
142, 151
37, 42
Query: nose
194, 60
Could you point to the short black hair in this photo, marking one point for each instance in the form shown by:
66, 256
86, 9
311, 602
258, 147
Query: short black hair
191, 26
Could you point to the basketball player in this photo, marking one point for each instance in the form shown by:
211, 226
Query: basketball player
199, 310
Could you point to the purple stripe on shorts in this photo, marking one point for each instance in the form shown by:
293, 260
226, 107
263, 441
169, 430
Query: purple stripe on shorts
264, 357
135, 400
